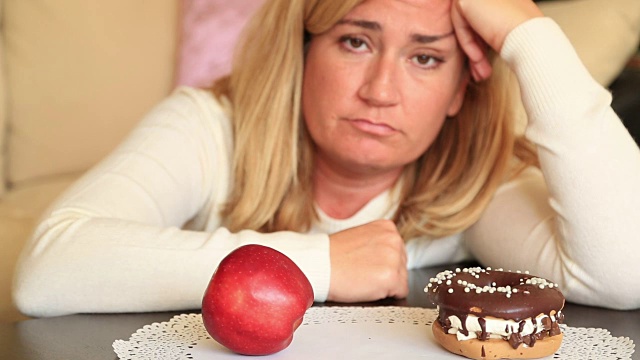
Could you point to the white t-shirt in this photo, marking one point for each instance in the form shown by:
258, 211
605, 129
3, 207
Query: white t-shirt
141, 231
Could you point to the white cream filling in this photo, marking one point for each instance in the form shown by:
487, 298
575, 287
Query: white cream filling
495, 327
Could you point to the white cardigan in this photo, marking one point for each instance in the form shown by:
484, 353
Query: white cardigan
141, 231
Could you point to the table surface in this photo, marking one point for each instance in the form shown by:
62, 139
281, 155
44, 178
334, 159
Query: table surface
90, 336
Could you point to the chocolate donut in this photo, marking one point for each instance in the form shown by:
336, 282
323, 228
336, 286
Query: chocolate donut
485, 313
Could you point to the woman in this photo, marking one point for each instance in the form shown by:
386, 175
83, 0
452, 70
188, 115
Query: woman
360, 138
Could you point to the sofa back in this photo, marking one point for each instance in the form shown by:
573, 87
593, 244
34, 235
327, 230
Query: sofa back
76, 76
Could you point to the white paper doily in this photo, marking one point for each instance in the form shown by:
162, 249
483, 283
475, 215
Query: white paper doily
347, 333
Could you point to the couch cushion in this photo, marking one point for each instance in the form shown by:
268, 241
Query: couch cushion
3, 109
605, 33
19, 212
14, 233
81, 74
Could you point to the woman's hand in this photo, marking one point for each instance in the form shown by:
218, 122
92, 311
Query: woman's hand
482, 23
368, 262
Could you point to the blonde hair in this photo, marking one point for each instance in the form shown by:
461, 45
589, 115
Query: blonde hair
447, 189
443, 192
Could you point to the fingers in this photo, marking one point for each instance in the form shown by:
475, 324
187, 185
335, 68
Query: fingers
480, 24
393, 278
474, 47
368, 263
481, 69
466, 35
493, 20
401, 282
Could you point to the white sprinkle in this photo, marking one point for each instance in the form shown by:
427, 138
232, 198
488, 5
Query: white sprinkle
448, 282
450, 291
466, 290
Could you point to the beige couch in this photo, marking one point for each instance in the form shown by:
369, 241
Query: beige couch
77, 75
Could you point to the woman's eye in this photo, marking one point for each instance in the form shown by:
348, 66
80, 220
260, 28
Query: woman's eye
353, 43
426, 61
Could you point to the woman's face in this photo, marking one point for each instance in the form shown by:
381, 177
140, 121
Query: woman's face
380, 83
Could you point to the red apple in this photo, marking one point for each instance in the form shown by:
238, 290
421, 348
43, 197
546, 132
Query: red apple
256, 300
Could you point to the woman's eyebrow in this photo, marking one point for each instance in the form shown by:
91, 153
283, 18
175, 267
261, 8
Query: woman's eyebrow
426, 39
366, 24
373, 25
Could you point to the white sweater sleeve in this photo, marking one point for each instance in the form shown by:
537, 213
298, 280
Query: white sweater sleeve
117, 240
577, 221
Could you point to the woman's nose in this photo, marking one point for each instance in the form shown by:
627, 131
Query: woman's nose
380, 86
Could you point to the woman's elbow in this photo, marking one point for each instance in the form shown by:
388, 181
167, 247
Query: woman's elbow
624, 301
28, 297
34, 292
609, 295
38, 286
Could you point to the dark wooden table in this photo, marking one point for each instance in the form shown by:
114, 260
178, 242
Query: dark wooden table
90, 336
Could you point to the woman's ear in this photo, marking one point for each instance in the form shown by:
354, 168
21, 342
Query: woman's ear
458, 97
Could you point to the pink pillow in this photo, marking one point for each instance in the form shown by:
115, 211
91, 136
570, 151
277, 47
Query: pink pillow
209, 32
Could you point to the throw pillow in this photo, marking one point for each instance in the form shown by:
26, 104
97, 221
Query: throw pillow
209, 32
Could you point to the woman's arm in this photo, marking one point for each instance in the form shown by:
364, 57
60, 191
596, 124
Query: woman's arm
581, 228
141, 231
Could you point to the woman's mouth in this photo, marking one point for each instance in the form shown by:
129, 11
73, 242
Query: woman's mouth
373, 128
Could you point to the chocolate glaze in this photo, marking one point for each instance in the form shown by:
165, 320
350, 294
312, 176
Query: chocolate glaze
483, 325
555, 328
515, 340
524, 301
529, 300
